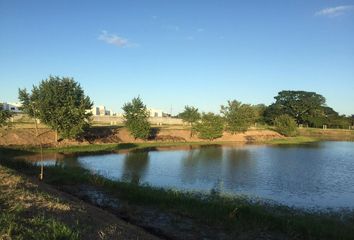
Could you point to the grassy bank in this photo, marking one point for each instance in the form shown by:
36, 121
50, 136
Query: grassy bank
328, 134
32, 210
291, 140
233, 214
21, 219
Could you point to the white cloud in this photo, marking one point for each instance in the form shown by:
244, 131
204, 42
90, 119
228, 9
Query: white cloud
115, 40
335, 11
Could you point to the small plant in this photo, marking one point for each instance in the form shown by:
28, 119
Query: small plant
286, 125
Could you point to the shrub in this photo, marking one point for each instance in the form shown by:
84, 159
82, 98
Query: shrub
210, 127
286, 125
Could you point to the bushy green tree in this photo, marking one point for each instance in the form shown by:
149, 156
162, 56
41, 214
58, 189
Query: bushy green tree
300, 104
211, 126
60, 103
271, 112
191, 116
259, 110
136, 118
238, 117
286, 125
5, 115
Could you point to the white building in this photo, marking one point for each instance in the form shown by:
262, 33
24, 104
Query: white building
13, 107
157, 113
101, 111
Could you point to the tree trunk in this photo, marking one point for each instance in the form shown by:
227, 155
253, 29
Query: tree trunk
191, 133
36, 125
56, 137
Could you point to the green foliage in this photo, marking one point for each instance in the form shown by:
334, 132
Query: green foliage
286, 125
136, 118
238, 117
307, 108
300, 104
210, 127
5, 115
271, 112
259, 111
190, 115
60, 103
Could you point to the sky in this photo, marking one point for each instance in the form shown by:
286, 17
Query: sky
183, 52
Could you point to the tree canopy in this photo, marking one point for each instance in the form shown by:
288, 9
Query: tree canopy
238, 117
286, 125
190, 115
60, 103
210, 127
299, 104
5, 115
136, 118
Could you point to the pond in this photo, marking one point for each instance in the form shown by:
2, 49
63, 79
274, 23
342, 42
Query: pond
316, 175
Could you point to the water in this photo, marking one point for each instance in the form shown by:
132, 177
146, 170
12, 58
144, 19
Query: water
318, 175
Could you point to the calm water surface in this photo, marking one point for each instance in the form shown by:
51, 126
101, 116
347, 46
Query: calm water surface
318, 175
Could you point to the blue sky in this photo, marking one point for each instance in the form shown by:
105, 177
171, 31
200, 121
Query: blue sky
177, 53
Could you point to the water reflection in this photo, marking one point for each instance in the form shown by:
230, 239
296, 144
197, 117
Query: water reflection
318, 174
135, 166
239, 168
202, 164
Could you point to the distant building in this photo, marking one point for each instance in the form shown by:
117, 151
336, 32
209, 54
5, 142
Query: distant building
13, 107
101, 111
157, 113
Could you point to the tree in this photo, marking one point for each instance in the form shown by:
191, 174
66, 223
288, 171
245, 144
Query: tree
299, 104
286, 125
210, 127
191, 116
238, 117
136, 118
271, 112
259, 110
5, 115
60, 103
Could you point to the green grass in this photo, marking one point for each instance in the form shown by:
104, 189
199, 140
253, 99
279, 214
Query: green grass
328, 134
291, 140
229, 212
16, 225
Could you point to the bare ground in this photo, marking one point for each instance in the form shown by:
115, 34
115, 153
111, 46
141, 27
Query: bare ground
99, 135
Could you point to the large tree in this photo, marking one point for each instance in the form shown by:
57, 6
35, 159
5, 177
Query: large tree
60, 103
238, 117
210, 127
5, 115
136, 118
299, 104
190, 115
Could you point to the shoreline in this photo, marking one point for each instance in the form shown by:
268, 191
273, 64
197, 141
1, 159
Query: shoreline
230, 215
116, 147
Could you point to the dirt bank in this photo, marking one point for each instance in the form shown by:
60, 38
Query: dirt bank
39, 201
97, 135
